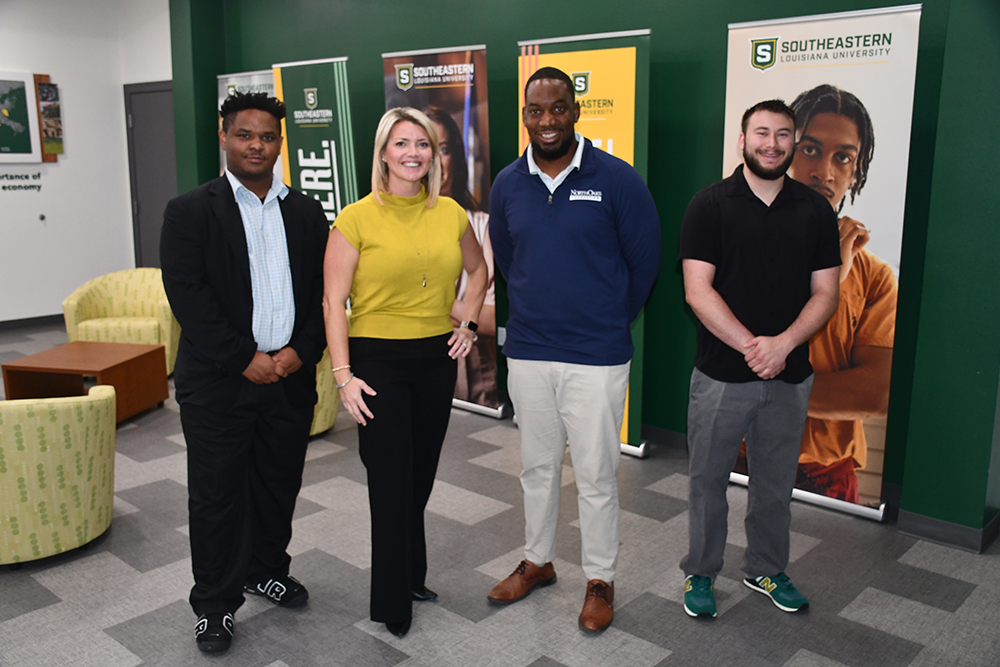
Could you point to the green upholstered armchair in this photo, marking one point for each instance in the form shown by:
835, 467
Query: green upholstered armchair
57, 473
124, 307
325, 414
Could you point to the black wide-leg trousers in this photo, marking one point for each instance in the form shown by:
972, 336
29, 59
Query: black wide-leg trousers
244, 475
400, 447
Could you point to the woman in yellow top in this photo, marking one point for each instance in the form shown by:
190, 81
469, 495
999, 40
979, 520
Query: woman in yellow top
396, 254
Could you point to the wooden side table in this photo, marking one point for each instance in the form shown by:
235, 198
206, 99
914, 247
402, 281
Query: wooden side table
137, 372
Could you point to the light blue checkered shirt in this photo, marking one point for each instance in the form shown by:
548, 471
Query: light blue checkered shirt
270, 275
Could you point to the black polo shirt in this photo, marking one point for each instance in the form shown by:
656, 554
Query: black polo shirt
764, 257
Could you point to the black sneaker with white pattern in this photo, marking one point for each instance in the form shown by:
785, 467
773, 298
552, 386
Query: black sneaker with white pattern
214, 632
283, 590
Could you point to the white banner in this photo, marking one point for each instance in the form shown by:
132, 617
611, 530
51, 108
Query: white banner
849, 77
871, 54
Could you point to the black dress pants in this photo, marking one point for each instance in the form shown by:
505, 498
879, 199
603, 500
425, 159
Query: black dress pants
244, 475
400, 447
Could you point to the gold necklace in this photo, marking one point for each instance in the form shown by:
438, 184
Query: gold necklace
427, 240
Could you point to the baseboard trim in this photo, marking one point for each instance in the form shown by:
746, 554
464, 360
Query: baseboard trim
947, 533
27, 322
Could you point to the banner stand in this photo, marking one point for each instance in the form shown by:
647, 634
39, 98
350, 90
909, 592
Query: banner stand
497, 413
318, 142
639, 451
849, 78
862, 511
449, 85
610, 75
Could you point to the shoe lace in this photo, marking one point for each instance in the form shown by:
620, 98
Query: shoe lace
782, 580
701, 584
598, 590
521, 568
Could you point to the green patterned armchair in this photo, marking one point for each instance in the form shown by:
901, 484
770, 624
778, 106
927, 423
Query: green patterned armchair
325, 414
124, 307
57, 473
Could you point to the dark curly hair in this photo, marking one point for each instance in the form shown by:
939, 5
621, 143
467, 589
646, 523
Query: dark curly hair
830, 99
242, 101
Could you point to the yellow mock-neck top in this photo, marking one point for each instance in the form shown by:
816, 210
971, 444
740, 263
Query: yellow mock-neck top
403, 245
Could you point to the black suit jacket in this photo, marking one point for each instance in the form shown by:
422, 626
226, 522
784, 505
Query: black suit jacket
206, 274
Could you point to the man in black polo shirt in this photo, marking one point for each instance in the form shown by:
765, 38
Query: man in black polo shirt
760, 255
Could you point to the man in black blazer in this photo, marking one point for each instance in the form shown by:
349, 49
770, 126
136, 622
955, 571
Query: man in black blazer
242, 260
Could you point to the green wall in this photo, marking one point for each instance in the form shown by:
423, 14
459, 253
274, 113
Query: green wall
196, 43
957, 367
687, 72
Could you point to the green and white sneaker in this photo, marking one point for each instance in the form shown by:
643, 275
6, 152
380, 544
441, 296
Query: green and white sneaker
781, 591
699, 596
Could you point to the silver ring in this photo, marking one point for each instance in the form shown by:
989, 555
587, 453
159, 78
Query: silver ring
465, 345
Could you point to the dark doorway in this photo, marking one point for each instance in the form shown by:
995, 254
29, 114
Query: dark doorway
152, 163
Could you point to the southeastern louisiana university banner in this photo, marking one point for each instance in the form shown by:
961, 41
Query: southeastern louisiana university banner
449, 85
317, 151
849, 77
610, 74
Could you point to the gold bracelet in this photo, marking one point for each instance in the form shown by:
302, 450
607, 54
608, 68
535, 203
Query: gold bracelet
339, 368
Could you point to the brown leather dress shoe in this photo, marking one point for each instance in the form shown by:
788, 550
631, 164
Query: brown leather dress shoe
522, 580
598, 606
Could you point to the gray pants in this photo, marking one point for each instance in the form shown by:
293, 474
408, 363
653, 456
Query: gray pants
771, 416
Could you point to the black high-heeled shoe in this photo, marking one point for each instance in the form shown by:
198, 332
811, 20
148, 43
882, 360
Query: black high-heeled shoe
424, 594
399, 629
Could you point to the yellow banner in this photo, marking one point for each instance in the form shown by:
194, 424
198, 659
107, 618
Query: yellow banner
604, 83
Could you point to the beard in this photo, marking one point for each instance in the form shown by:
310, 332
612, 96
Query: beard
556, 153
759, 170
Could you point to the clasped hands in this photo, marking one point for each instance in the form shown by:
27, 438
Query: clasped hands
765, 355
269, 368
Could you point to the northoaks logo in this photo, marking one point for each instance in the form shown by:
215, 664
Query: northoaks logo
585, 195
581, 83
404, 76
312, 97
763, 52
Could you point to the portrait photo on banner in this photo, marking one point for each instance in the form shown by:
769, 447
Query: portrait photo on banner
450, 87
849, 79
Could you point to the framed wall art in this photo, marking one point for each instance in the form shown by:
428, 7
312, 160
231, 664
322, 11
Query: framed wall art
19, 132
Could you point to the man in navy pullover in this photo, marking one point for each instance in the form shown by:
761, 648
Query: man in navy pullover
576, 235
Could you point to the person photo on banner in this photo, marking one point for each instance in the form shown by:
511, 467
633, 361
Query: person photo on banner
852, 354
477, 373
397, 254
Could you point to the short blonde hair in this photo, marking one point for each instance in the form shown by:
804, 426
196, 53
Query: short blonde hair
380, 171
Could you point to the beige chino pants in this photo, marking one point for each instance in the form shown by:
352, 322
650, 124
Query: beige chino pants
556, 402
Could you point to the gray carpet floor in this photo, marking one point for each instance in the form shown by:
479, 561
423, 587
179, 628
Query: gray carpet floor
878, 598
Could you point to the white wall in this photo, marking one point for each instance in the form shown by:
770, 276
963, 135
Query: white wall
91, 48
144, 37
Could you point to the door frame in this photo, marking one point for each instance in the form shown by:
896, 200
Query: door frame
130, 90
